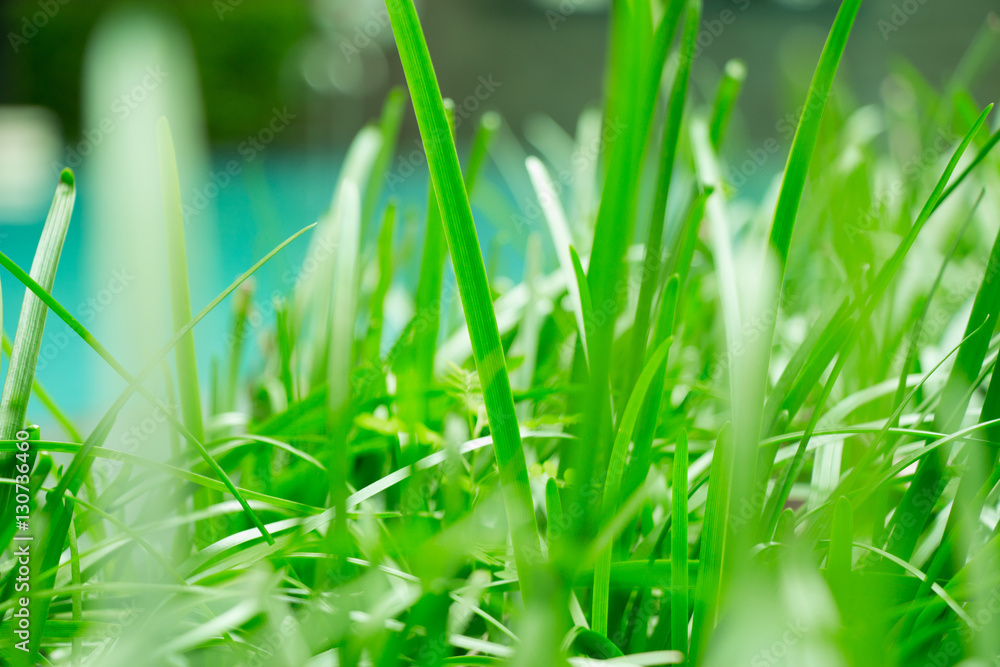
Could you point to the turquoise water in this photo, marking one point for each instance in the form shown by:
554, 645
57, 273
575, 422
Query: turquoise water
297, 191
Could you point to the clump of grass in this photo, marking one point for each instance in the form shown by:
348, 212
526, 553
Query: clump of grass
728, 445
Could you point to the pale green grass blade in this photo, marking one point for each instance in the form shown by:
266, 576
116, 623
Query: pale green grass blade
345, 289
486, 132
46, 400
340, 361
562, 240
747, 299
186, 361
180, 296
31, 324
313, 317
709, 172
470, 273
376, 307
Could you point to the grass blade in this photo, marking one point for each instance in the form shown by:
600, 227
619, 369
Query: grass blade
925, 488
562, 240
180, 296
679, 548
668, 154
470, 273
870, 300
733, 76
713, 544
69, 480
31, 325
616, 470
807, 133
632, 70
638, 466
180, 311
389, 125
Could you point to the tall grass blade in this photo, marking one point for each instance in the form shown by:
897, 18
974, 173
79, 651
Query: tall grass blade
616, 470
31, 324
633, 87
807, 132
869, 301
800, 157
638, 465
918, 500
180, 296
180, 310
679, 548
470, 273
713, 544
650, 275
562, 240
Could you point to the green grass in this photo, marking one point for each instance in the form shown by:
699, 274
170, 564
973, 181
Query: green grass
522, 474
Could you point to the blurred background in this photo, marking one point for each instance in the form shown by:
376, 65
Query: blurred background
264, 97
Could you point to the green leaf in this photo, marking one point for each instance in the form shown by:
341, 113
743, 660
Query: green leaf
616, 469
470, 273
